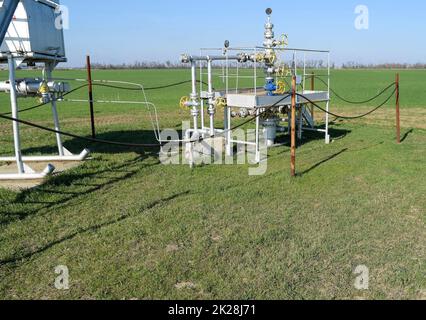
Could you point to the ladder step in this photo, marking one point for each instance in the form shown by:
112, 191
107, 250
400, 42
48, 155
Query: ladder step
308, 117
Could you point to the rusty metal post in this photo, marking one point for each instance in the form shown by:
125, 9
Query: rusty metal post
92, 111
293, 127
398, 112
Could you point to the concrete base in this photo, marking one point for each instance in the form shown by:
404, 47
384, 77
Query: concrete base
19, 185
208, 148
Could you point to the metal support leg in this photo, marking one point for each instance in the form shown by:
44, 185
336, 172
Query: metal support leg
15, 115
24, 172
327, 124
48, 72
300, 129
57, 128
257, 135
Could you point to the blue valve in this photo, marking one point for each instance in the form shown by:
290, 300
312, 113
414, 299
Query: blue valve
270, 87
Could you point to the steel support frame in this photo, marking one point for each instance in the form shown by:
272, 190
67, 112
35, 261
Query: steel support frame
24, 171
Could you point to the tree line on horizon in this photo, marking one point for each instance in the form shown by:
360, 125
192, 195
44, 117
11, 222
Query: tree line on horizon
312, 64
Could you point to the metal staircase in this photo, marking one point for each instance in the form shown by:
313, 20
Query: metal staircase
308, 117
7, 10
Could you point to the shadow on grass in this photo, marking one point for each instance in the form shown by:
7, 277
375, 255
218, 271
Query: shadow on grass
122, 172
94, 228
309, 136
407, 134
148, 137
130, 137
68, 179
323, 162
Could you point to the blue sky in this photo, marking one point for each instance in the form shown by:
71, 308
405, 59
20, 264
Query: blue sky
139, 30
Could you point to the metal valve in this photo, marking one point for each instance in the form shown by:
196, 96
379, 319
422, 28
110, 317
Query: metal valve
184, 103
221, 102
44, 91
280, 87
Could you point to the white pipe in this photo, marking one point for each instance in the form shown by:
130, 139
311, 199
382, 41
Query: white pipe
257, 135
194, 78
212, 58
57, 127
194, 95
244, 142
81, 157
304, 71
29, 176
210, 95
203, 124
14, 104
228, 130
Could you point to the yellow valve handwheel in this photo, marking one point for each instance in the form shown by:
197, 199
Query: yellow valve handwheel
260, 57
284, 40
44, 88
280, 87
183, 103
271, 58
221, 103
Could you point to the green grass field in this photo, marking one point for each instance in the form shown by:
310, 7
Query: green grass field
128, 227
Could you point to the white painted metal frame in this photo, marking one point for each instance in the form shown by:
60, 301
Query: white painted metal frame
255, 102
63, 154
24, 171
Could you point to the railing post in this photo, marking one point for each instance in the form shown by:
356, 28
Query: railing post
293, 127
398, 112
92, 111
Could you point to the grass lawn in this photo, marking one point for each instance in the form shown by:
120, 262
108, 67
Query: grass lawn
128, 227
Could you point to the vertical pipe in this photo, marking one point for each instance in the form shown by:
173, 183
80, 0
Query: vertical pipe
15, 115
258, 135
255, 71
304, 71
327, 116
295, 62
210, 96
228, 116
293, 127
398, 112
203, 124
48, 75
92, 111
194, 96
228, 131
